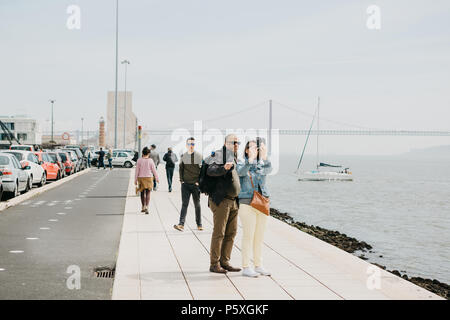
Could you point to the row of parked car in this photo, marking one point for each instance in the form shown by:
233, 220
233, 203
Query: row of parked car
22, 167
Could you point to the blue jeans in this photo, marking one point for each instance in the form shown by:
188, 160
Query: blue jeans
169, 174
154, 181
110, 163
101, 163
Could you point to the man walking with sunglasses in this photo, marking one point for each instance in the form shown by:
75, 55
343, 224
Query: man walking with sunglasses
190, 165
224, 203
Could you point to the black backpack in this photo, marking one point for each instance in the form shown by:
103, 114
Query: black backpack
168, 159
207, 184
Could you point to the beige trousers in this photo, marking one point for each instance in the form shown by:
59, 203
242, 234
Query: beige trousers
253, 228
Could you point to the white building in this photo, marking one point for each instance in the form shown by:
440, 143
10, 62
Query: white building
128, 115
25, 129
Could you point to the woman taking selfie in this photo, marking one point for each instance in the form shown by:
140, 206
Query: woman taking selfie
143, 177
252, 172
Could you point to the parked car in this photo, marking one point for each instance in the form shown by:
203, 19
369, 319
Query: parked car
82, 159
124, 150
1, 185
133, 153
15, 179
23, 147
72, 146
56, 158
36, 173
75, 160
51, 169
65, 157
94, 158
123, 159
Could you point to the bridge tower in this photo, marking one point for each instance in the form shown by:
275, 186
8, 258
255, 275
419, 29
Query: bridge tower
269, 136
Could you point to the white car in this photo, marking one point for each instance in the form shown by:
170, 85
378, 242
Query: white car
36, 173
14, 178
21, 147
121, 158
124, 150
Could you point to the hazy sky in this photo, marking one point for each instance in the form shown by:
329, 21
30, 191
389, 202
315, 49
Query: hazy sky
199, 59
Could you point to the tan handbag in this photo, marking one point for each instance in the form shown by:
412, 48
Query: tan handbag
259, 202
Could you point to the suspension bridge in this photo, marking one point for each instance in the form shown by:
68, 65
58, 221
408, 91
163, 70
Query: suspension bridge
267, 108
355, 131
295, 132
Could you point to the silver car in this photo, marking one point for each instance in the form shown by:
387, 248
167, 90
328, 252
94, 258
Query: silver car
1, 185
75, 160
15, 179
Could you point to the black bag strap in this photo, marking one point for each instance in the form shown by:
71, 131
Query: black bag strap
224, 154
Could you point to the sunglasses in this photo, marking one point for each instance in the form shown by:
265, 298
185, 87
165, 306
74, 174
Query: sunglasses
191, 144
235, 142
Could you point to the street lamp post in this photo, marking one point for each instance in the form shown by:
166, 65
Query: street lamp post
52, 102
82, 131
126, 63
117, 63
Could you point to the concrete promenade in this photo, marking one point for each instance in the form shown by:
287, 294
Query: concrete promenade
155, 261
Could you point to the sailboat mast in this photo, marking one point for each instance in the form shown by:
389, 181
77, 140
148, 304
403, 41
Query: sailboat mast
317, 151
306, 142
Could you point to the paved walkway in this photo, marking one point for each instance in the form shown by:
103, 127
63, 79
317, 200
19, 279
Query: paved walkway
155, 261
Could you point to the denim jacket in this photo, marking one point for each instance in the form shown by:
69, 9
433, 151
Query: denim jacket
258, 170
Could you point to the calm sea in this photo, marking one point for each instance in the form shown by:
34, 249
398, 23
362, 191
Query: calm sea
398, 204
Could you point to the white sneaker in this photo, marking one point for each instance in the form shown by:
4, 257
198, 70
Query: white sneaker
249, 272
262, 271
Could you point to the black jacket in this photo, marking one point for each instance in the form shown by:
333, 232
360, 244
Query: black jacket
222, 178
170, 158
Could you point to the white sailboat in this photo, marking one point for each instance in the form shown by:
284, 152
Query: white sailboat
319, 174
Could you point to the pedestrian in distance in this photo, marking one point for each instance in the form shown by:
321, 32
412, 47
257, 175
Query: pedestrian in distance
189, 169
224, 203
252, 171
135, 156
144, 175
109, 158
101, 159
89, 159
155, 157
170, 158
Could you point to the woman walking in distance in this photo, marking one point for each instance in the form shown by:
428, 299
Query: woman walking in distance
252, 172
143, 178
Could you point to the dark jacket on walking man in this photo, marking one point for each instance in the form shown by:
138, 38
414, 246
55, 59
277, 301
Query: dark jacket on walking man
170, 158
190, 165
101, 159
224, 204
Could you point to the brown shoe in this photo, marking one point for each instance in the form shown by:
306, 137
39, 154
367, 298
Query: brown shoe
179, 227
230, 268
199, 228
217, 269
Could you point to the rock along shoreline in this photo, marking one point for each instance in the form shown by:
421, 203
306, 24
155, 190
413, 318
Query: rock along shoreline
352, 245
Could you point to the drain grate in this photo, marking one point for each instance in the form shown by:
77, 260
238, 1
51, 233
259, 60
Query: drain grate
104, 272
